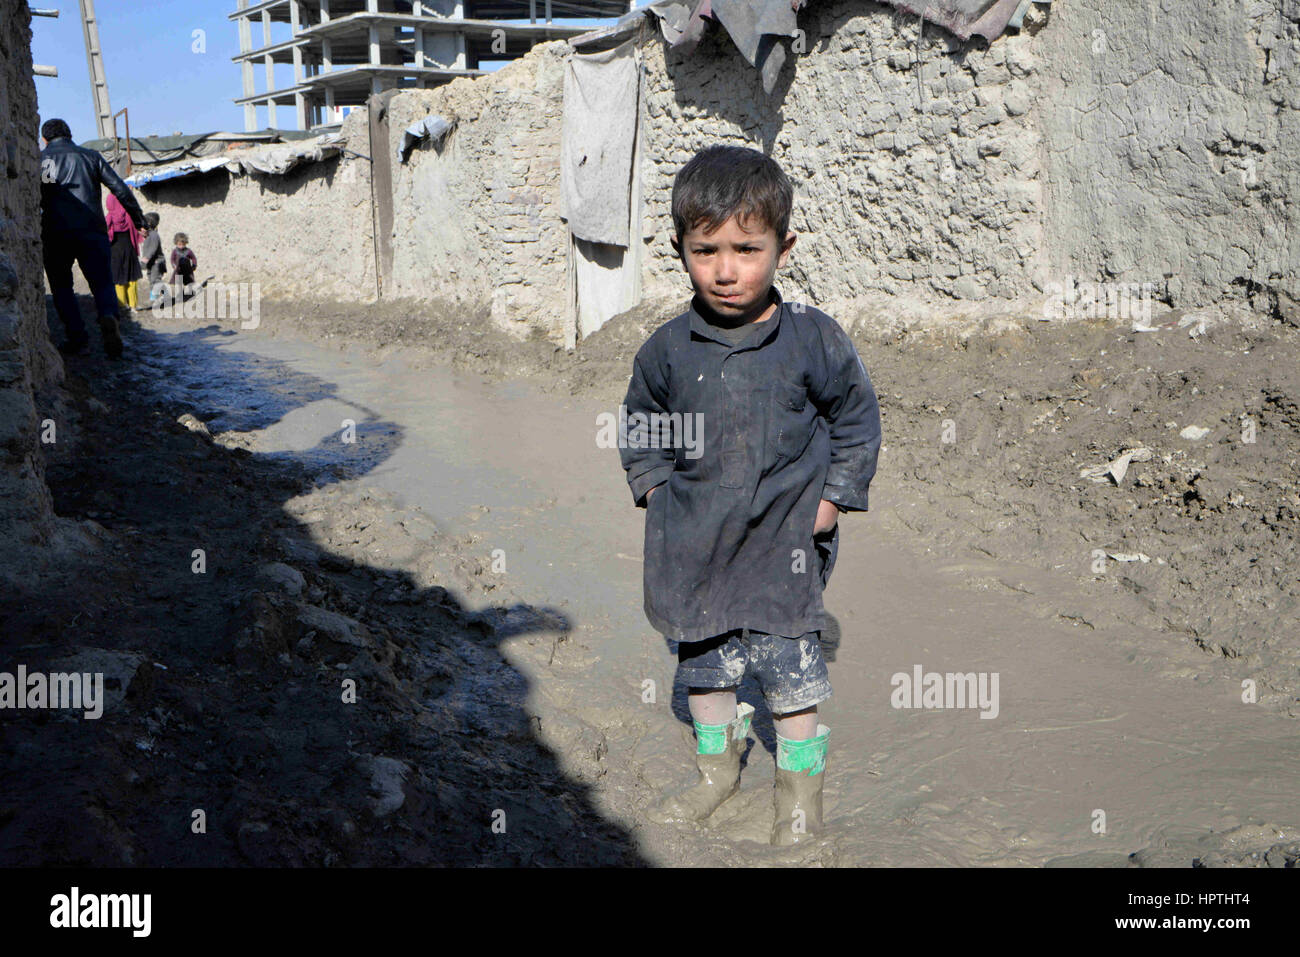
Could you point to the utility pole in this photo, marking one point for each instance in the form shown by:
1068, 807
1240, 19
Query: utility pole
95, 63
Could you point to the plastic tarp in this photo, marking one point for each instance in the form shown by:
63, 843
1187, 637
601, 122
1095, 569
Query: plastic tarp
156, 174
433, 128
597, 141
165, 150
280, 159
276, 160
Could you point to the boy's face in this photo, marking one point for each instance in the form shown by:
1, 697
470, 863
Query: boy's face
732, 268
181, 244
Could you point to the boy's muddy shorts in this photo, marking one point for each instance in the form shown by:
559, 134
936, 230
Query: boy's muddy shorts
790, 671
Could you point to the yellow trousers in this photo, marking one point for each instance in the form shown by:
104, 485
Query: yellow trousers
128, 294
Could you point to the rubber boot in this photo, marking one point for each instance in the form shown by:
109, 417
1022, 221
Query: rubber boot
112, 338
719, 773
797, 797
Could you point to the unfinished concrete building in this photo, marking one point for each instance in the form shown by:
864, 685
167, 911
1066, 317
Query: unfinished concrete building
342, 51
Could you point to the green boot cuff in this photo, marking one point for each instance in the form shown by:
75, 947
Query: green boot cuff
711, 738
808, 756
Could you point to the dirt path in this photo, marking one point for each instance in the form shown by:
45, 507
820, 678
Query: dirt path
1097, 711
421, 508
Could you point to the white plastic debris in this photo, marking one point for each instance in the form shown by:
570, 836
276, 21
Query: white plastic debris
1116, 468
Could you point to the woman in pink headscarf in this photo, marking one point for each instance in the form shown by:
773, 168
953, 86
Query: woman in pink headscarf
124, 240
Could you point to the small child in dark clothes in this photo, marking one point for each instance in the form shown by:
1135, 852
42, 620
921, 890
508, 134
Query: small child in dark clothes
742, 527
184, 262
155, 263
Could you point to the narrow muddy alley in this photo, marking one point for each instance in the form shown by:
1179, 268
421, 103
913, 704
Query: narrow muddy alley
1107, 741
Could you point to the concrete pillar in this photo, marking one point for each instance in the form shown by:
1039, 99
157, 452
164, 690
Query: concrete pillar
324, 11
299, 101
246, 70
269, 63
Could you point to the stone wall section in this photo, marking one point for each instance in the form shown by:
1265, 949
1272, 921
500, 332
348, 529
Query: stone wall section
28, 362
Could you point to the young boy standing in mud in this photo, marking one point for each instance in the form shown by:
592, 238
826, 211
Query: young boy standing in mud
741, 524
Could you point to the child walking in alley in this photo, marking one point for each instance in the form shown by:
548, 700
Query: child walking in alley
155, 261
184, 262
741, 530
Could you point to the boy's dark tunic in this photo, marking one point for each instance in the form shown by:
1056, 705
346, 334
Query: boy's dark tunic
789, 418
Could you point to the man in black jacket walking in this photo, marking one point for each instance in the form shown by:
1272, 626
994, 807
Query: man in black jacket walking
73, 228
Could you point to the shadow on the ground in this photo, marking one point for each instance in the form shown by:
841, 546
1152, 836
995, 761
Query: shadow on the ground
352, 716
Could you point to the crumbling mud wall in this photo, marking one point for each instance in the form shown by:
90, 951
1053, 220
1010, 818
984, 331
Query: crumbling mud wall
477, 221
1169, 145
28, 362
1105, 141
306, 233
915, 164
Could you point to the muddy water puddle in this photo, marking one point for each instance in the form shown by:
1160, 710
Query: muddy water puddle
1101, 738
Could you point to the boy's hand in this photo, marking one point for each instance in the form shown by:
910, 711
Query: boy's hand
827, 516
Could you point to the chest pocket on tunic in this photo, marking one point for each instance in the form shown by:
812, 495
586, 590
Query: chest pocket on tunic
791, 420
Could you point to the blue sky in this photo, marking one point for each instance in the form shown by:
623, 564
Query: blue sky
152, 65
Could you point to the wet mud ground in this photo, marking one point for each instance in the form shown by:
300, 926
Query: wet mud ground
471, 561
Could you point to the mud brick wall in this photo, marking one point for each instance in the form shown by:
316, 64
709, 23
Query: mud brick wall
307, 233
478, 221
916, 167
1108, 141
28, 362
1170, 151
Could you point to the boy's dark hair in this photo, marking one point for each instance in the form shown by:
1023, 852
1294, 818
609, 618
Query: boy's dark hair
53, 129
724, 181
180, 237
152, 220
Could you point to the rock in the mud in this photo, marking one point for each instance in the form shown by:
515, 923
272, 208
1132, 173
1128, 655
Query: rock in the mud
286, 577
262, 630
344, 634
1194, 433
387, 783
195, 425
126, 675
298, 551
